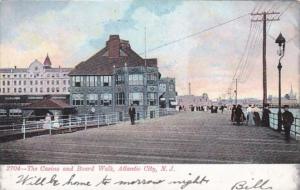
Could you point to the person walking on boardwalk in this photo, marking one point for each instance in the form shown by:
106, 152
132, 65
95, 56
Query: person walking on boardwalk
257, 120
131, 113
250, 116
266, 116
287, 121
233, 109
238, 115
222, 108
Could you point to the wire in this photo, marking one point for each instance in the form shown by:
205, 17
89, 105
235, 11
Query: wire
195, 34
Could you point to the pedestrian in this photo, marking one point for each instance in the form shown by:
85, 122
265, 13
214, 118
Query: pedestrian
233, 109
222, 108
250, 116
131, 112
287, 121
238, 115
180, 108
256, 111
266, 116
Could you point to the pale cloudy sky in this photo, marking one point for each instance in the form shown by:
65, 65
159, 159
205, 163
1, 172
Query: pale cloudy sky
72, 31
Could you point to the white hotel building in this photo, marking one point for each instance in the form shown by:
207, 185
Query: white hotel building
19, 86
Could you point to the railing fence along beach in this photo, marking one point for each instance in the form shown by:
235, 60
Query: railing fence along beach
68, 123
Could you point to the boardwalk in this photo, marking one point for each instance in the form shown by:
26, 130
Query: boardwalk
191, 137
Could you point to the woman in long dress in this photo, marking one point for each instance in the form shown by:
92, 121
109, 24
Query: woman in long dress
251, 116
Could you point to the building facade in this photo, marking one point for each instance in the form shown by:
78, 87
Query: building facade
167, 93
114, 78
188, 101
22, 86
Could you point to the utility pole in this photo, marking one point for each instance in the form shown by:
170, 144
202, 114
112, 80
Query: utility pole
236, 91
264, 20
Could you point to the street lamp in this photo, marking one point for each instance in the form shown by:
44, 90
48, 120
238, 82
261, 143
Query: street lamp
281, 43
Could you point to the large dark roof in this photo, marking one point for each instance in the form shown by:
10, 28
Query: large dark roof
48, 104
102, 63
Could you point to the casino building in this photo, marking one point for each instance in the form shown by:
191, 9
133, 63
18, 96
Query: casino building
112, 79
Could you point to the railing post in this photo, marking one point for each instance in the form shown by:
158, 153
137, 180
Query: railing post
51, 123
70, 123
24, 128
85, 121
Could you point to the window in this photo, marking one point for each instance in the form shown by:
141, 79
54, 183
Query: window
152, 99
77, 81
119, 79
20, 82
52, 89
20, 76
106, 99
3, 90
64, 82
136, 79
57, 89
31, 90
92, 99
8, 83
36, 82
15, 90
90, 81
8, 90
31, 82
48, 89
171, 87
120, 98
77, 99
41, 90
152, 76
2, 112
24, 82
136, 98
3, 83
41, 82
36, 90
162, 87
20, 90
52, 82
105, 80
15, 112
24, 75
3, 76
64, 89
24, 90
48, 82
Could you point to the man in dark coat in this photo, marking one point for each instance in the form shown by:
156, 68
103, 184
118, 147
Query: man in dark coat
233, 113
287, 121
266, 116
238, 115
131, 113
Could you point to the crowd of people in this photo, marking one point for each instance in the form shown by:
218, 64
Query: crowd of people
212, 108
253, 118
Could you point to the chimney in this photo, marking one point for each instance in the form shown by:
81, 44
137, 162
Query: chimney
15, 67
113, 45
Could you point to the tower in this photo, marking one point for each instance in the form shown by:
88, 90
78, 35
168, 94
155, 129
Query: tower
47, 63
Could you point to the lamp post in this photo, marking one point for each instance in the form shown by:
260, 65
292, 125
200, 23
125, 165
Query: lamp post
281, 43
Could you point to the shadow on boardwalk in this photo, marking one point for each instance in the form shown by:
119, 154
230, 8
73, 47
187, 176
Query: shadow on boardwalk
190, 137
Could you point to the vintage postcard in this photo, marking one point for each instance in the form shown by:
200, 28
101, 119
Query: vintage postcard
149, 94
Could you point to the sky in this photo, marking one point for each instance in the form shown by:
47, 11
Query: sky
72, 31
